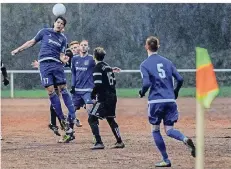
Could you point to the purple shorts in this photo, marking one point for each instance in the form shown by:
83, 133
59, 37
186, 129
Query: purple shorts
52, 72
80, 100
163, 111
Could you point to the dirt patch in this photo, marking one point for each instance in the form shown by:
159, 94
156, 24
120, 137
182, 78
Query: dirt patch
29, 144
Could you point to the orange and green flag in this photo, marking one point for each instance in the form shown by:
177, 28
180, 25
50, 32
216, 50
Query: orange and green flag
206, 84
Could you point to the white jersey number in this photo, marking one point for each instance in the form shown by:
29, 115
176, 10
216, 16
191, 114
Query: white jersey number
161, 70
110, 78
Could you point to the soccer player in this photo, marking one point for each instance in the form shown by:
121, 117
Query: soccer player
53, 114
157, 73
105, 105
4, 74
82, 66
51, 56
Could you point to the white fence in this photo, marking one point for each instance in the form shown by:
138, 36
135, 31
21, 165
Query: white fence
12, 72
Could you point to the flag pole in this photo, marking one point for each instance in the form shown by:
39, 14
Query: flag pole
200, 127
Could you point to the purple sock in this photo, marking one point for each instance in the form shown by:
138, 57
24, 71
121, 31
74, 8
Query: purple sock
69, 104
160, 144
55, 102
176, 134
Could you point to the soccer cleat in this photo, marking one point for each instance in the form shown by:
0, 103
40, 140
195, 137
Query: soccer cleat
66, 126
72, 137
78, 123
55, 129
66, 139
163, 163
190, 144
98, 146
119, 145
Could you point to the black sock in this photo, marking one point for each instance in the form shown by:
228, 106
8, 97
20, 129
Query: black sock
72, 125
94, 122
53, 115
115, 129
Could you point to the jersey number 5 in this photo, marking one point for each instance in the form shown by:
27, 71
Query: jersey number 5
161, 70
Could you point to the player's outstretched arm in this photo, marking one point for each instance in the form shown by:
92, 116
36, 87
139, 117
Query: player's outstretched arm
116, 69
26, 45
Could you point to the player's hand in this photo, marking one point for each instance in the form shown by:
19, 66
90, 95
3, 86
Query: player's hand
5, 81
64, 58
72, 91
176, 94
69, 53
141, 94
35, 64
14, 52
116, 70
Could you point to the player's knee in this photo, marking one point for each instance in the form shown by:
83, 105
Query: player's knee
64, 91
92, 120
168, 129
61, 87
50, 90
57, 91
112, 122
52, 94
155, 128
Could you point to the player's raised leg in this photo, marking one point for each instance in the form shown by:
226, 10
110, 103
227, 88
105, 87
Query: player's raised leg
176, 134
171, 117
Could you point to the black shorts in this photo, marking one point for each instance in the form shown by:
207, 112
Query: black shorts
105, 109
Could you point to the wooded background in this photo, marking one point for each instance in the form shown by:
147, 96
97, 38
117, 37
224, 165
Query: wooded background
122, 30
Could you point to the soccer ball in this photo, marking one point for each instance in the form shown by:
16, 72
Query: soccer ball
59, 9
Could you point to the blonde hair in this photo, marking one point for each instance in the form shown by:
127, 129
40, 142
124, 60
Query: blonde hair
73, 42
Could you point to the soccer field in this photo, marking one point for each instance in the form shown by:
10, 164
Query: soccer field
124, 93
28, 143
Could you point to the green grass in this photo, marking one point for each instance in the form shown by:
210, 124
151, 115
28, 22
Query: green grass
125, 93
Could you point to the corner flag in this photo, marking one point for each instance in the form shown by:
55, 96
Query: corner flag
206, 83
206, 90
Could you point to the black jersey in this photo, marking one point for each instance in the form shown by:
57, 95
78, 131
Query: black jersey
104, 80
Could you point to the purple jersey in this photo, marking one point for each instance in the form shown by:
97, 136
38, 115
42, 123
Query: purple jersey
82, 73
52, 44
157, 73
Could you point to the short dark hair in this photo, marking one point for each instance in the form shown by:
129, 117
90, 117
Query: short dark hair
63, 19
153, 43
99, 53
